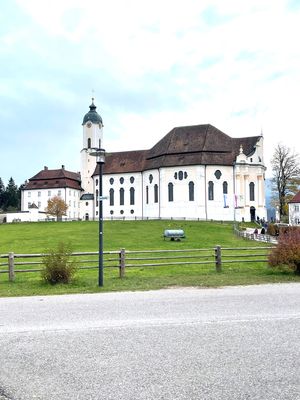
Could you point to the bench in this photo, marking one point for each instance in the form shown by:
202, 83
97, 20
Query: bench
174, 234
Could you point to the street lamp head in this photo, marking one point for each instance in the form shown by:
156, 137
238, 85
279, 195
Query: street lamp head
99, 154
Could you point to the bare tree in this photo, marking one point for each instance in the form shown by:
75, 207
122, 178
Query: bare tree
56, 207
286, 176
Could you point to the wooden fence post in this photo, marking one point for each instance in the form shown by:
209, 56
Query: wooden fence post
122, 263
11, 267
218, 258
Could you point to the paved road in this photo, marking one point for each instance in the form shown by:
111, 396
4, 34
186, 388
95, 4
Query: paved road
230, 343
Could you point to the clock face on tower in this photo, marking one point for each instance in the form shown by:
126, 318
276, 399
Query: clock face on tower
89, 124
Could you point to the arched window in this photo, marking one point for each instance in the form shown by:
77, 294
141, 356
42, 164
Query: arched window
155, 193
251, 191
131, 196
210, 190
89, 143
97, 198
170, 191
225, 187
111, 197
191, 191
121, 197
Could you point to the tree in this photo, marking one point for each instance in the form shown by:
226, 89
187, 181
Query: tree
2, 190
11, 196
57, 207
286, 176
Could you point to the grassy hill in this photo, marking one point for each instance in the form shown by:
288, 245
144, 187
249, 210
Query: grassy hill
131, 235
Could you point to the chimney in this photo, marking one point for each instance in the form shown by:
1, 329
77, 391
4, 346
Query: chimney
45, 168
62, 167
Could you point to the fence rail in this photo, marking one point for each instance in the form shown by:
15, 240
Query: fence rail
12, 263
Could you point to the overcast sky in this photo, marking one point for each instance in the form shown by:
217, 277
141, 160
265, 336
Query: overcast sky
151, 66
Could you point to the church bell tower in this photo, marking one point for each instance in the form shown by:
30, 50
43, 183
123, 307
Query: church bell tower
92, 139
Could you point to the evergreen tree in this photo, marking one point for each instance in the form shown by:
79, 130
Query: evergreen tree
2, 190
11, 196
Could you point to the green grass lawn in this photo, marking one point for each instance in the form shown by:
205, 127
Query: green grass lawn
131, 235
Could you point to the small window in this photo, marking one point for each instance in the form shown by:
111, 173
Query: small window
131, 211
59, 193
191, 191
225, 187
147, 195
97, 181
39, 194
111, 181
111, 197
210, 190
251, 191
155, 193
29, 194
218, 174
170, 191
121, 180
131, 179
122, 212
111, 212
131, 196
121, 197
150, 178
89, 143
180, 175
86, 203
175, 175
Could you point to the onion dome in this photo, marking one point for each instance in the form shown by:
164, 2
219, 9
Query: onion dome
92, 115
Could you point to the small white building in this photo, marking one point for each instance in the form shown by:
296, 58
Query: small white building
294, 210
49, 183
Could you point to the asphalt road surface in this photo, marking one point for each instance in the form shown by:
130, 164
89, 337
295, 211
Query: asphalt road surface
229, 343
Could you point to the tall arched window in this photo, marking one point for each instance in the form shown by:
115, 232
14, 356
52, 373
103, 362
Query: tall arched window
111, 197
210, 190
121, 197
170, 191
155, 193
89, 143
251, 191
147, 195
131, 196
191, 191
225, 187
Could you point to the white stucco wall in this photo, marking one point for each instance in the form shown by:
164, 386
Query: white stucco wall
40, 198
294, 213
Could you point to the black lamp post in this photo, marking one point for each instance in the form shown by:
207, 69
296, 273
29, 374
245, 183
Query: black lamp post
100, 158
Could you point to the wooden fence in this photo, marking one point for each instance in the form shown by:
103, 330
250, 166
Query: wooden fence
122, 259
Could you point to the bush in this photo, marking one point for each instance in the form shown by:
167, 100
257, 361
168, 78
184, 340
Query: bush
287, 251
273, 230
58, 266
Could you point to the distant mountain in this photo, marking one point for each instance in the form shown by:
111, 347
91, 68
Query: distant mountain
271, 212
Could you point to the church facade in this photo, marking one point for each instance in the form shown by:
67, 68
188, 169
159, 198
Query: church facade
193, 172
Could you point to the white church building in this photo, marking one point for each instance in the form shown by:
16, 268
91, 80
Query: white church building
193, 172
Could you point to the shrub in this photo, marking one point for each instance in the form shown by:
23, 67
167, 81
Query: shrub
287, 251
58, 265
273, 230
